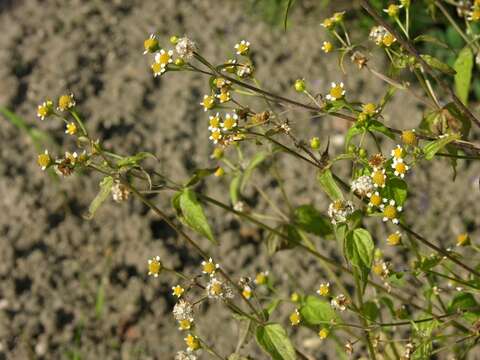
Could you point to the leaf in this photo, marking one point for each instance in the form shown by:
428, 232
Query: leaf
311, 220
287, 10
316, 311
254, 162
245, 332
463, 66
430, 39
105, 188
370, 310
328, 184
397, 190
424, 330
100, 300
193, 215
200, 174
359, 248
377, 126
455, 119
462, 301
135, 159
435, 146
235, 189
351, 133
438, 65
273, 339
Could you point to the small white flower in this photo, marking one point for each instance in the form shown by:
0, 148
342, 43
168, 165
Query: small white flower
183, 310
339, 210
217, 289
164, 57
244, 70
186, 355
337, 91
120, 192
209, 267
243, 47
362, 186
339, 302
400, 168
390, 211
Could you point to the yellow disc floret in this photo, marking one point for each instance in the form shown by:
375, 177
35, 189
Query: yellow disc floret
71, 128
388, 39
45, 109
44, 160
295, 318
184, 324
192, 342
378, 178
394, 239
409, 137
154, 266
323, 289
369, 109
66, 102
177, 291
323, 333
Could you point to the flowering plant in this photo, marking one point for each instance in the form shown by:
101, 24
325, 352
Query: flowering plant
383, 314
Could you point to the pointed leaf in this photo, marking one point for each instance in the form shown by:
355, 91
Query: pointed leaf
254, 162
311, 220
273, 339
316, 311
105, 189
435, 146
328, 184
463, 66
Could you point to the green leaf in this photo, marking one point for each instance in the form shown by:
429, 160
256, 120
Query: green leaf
235, 189
316, 311
462, 301
438, 65
254, 162
397, 190
435, 146
463, 66
273, 339
311, 220
351, 133
328, 184
200, 174
359, 248
135, 159
424, 330
377, 126
370, 310
193, 215
105, 189
100, 300
430, 39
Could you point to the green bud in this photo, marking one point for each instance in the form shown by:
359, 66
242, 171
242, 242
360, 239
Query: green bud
351, 148
362, 153
378, 254
315, 143
217, 153
300, 85
174, 40
179, 62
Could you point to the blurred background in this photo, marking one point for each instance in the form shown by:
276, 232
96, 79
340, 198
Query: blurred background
77, 289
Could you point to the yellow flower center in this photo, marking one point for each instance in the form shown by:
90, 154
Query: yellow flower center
295, 297
369, 109
224, 96
216, 135
463, 239
323, 333
178, 291
475, 15
328, 23
220, 82
229, 123
392, 10
209, 267
216, 289
156, 68
295, 318
400, 168
388, 40
65, 102
336, 92
338, 205
398, 152
208, 102
192, 342
390, 212
247, 293
327, 46
154, 267
394, 239
185, 324
215, 122
375, 200
242, 49
43, 160
71, 128
164, 58
261, 279
219, 172
377, 269
323, 290
409, 137
378, 178
151, 44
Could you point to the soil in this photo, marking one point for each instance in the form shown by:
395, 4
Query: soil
54, 265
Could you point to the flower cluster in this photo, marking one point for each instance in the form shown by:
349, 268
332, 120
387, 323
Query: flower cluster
339, 210
381, 36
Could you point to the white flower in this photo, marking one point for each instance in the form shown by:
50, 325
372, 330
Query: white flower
339, 302
377, 33
362, 185
243, 47
217, 289
230, 121
183, 310
399, 167
209, 267
243, 70
120, 192
339, 210
164, 57
185, 355
390, 211
185, 48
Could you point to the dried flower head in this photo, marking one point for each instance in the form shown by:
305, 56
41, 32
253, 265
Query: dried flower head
185, 48
183, 310
120, 192
216, 289
362, 185
340, 302
185, 355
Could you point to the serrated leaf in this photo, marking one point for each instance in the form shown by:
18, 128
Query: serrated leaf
463, 66
377, 126
273, 339
328, 184
438, 65
316, 311
432, 147
359, 248
193, 215
254, 162
105, 189
311, 220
